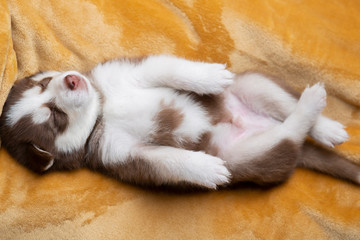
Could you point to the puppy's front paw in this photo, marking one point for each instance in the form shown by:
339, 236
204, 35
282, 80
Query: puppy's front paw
220, 77
213, 78
329, 132
209, 171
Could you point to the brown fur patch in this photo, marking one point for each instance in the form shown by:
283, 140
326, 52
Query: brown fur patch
168, 119
18, 139
58, 119
274, 166
17, 91
44, 83
39, 160
322, 160
215, 107
203, 144
133, 170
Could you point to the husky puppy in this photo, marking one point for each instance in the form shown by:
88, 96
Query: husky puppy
163, 120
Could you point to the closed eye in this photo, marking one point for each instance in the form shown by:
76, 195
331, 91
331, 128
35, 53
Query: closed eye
59, 118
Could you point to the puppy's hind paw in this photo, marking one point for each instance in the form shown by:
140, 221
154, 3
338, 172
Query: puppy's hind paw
329, 132
313, 99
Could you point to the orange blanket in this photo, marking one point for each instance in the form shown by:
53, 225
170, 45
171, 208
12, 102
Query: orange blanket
302, 42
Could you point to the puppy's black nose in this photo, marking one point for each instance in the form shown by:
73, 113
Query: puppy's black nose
72, 81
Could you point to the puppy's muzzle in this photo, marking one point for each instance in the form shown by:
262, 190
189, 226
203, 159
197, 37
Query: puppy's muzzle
74, 82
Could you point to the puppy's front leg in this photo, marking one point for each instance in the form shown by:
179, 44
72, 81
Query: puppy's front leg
182, 74
174, 165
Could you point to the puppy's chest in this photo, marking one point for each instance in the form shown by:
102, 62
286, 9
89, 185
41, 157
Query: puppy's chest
158, 116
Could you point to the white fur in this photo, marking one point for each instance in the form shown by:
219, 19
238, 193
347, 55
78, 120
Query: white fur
41, 115
174, 165
135, 93
195, 121
329, 132
82, 108
294, 128
253, 88
126, 98
199, 77
31, 102
76, 134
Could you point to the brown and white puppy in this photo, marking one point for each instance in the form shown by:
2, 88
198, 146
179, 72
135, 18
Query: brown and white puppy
169, 121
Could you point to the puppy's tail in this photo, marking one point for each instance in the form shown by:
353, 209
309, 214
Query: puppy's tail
325, 161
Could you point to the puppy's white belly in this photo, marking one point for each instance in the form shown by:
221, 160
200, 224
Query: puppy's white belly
245, 118
245, 123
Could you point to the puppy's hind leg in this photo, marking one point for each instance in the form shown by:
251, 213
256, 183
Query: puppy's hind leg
271, 156
266, 97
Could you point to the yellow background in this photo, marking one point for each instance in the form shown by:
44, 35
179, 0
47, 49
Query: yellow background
301, 41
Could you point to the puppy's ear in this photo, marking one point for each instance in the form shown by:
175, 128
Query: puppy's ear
39, 160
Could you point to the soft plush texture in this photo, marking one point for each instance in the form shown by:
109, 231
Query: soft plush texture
302, 42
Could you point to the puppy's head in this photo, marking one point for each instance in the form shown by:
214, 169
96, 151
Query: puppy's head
47, 119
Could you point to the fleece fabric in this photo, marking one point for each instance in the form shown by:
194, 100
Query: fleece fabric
301, 42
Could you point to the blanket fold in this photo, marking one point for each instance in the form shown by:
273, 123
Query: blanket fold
8, 67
